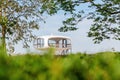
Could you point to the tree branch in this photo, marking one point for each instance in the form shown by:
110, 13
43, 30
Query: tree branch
84, 1
117, 12
106, 10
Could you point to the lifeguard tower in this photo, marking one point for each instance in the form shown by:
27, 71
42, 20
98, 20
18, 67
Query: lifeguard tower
62, 44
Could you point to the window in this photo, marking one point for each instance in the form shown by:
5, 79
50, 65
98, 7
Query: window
51, 43
39, 43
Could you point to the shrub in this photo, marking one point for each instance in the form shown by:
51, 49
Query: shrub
99, 66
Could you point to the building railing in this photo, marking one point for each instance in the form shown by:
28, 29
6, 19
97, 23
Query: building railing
59, 45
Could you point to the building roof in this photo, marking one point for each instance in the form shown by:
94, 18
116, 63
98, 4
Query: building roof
53, 36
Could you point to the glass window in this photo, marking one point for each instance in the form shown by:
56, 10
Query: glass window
52, 43
39, 43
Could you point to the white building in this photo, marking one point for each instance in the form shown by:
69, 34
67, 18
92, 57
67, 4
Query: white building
62, 44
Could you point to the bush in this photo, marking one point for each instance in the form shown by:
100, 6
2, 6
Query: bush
99, 66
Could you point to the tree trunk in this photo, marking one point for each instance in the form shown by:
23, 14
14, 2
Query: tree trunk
3, 30
3, 38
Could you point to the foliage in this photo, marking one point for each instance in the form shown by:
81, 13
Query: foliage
106, 20
78, 66
104, 13
18, 19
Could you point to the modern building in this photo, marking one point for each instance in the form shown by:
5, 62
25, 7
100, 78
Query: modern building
62, 44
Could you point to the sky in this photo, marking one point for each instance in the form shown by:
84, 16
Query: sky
80, 41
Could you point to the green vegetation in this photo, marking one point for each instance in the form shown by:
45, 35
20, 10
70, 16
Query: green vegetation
105, 15
19, 18
100, 66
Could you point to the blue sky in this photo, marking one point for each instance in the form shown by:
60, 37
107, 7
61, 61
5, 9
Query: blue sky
80, 41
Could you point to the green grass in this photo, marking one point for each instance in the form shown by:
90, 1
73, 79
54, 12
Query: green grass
79, 66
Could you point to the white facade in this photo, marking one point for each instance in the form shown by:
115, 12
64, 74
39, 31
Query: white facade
61, 43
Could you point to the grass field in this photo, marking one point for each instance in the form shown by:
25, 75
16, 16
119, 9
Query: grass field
79, 66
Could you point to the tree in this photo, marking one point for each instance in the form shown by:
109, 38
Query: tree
106, 21
105, 15
18, 19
